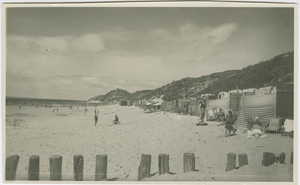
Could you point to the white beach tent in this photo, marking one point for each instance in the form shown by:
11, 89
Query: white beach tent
253, 91
223, 94
267, 90
217, 104
262, 106
288, 125
235, 91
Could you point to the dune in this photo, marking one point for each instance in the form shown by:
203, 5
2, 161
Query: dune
68, 132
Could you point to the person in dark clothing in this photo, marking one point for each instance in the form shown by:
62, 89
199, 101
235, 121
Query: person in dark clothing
116, 120
229, 125
96, 115
202, 107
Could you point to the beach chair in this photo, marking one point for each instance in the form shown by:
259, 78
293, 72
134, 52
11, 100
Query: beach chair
273, 125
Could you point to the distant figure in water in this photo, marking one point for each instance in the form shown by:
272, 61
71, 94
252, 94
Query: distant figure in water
116, 120
20, 107
96, 115
36, 107
57, 109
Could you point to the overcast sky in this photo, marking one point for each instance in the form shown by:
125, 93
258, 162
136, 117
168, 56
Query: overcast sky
78, 53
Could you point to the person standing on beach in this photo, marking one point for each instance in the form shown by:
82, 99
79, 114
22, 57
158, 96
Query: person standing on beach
202, 106
96, 115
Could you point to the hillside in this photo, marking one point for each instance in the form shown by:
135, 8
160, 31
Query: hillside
117, 94
265, 73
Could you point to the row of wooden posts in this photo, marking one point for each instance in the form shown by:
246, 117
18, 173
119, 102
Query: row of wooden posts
55, 162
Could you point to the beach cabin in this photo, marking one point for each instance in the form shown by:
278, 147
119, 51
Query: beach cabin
157, 106
223, 94
235, 91
267, 90
123, 103
208, 96
285, 100
129, 103
250, 92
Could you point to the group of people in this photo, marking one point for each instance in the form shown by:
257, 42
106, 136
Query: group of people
96, 114
255, 127
201, 107
185, 108
56, 110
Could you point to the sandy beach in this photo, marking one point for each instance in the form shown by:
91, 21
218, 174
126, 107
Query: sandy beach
68, 132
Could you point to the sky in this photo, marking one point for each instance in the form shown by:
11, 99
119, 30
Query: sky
79, 53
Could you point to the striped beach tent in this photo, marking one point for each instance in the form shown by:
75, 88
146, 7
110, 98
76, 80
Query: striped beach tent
263, 106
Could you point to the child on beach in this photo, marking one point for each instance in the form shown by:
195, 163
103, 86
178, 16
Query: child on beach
96, 115
229, 126
116, 120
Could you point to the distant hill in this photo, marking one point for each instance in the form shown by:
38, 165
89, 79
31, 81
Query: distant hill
117, 94
265, 73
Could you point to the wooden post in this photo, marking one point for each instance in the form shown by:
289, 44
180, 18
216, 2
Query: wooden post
163, 163
34, 167
282, 158
188, 162
268, 159
243, 159
145, 167
11, 165
101, 167
78, 167
292, 158
231, 161
55, 167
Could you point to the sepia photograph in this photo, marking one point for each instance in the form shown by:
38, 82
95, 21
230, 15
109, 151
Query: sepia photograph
164, 92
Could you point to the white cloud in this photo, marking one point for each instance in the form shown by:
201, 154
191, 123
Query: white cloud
222, 32
118, 34
64, 82
192, 32
71, 87
90, 80
88, 43
161, 33
55, 44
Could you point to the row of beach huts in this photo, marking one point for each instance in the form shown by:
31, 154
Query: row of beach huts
265, 102
193, 102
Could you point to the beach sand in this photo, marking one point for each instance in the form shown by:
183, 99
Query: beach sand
68, 132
